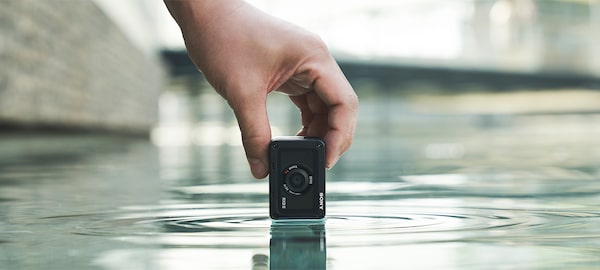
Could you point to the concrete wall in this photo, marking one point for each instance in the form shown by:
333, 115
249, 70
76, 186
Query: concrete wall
63, 63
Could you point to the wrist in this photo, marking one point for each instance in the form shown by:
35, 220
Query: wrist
200, 14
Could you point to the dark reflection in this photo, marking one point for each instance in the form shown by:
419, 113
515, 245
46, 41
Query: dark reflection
297, 246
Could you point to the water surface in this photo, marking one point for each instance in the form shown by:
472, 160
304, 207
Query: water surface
416, 190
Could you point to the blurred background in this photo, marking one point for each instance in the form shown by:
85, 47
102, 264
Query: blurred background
476, 145
121, 65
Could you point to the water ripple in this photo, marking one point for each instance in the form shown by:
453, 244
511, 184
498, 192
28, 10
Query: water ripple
210, 226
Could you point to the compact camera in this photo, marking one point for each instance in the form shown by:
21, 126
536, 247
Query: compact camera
297, 178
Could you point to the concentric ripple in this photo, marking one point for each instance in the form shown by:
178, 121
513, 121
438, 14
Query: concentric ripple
346, 225
352, 221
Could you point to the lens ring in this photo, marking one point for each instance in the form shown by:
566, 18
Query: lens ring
297, 180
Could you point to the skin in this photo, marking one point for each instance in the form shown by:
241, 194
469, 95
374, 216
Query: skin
246, 54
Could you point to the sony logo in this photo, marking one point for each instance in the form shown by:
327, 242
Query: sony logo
321, 201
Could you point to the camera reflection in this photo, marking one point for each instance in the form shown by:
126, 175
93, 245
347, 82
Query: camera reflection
295, 245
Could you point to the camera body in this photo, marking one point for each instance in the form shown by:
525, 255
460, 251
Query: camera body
297, 178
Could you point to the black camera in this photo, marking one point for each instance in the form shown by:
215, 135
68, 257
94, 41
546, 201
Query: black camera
297, 178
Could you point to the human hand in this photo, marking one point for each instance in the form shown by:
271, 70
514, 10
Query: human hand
245, 54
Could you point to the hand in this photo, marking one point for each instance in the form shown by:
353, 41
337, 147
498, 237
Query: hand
245, 54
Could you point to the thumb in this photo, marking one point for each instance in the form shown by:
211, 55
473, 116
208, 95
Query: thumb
251, 114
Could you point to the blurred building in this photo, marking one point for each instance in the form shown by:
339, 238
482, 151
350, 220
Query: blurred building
67, 64
449, 45
94, 64
508, 35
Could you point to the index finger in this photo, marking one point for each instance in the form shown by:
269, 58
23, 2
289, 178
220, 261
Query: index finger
336, 92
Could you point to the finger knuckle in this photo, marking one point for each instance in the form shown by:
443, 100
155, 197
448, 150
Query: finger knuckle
315, 43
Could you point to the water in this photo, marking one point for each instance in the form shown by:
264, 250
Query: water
417, 190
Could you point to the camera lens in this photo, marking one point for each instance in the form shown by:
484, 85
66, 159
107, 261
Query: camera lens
297, 180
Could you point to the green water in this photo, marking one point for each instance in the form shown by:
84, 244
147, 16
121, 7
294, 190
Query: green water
416, 191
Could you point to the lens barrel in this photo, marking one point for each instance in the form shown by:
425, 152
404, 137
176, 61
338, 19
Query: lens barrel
297, 180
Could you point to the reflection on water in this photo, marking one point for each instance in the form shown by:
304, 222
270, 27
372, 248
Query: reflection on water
298, 246
417, 190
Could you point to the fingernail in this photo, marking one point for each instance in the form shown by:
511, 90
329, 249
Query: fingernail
330, 165
258, 168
